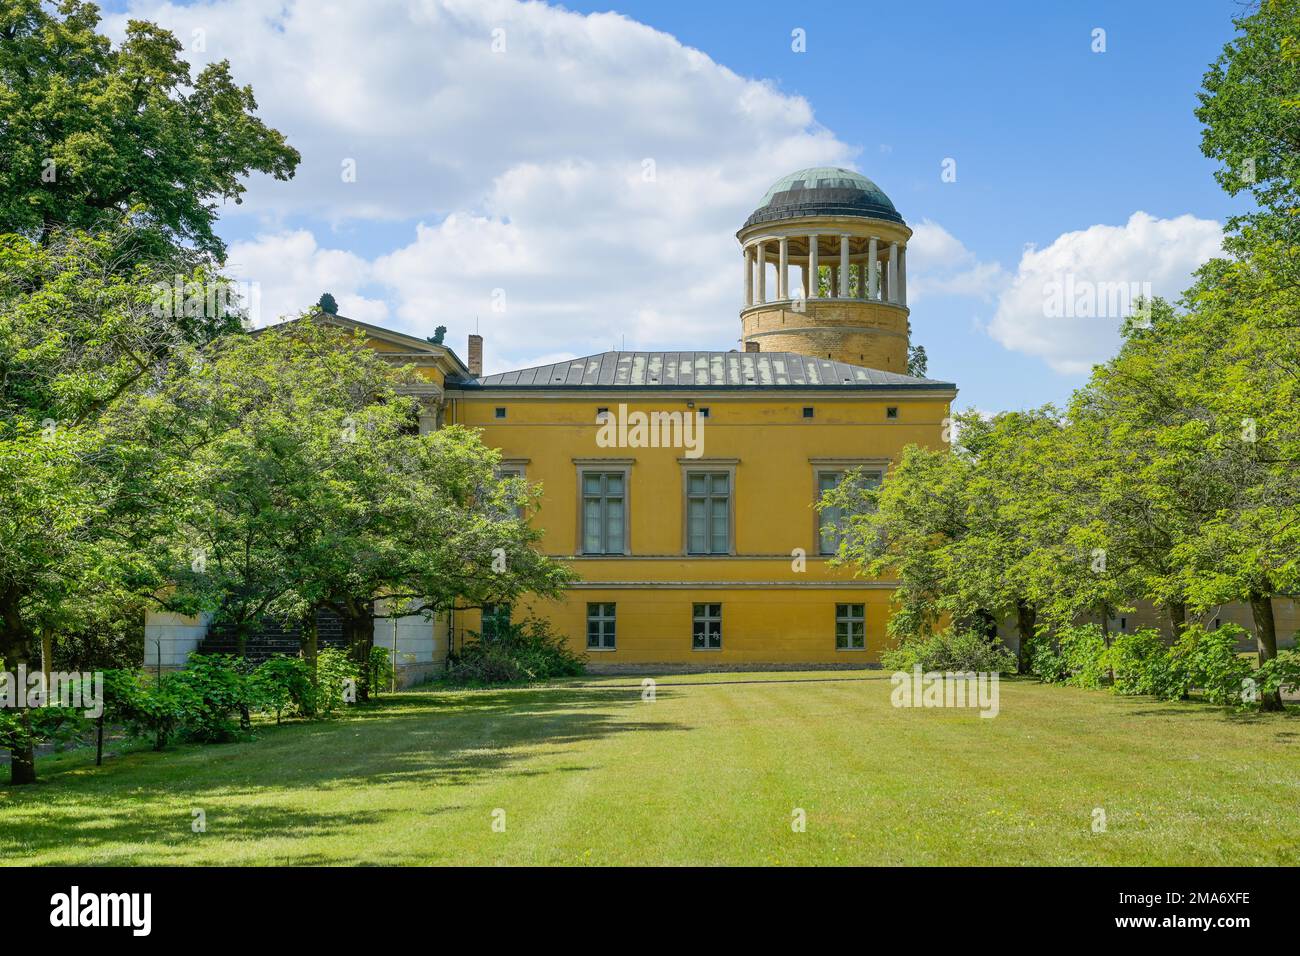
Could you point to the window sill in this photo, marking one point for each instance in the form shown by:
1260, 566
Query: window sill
707, 650
851, 650
601, 650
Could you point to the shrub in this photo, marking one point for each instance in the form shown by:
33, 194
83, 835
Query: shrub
145, 708
212, 690
379, 673
1213, 663
334, 670
1282, 673
515, 653
281, 683
950, 650
1084, 650
1142, 665
1046, 663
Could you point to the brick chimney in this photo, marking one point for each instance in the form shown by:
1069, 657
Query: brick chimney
475, 355
751, 346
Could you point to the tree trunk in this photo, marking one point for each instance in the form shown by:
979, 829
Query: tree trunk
1177, 618
16, 650
359, 627
22, 756
1026, 621
47, 658
1261, 607
309, 643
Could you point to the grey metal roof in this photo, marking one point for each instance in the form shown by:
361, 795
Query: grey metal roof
698, 370
823, 191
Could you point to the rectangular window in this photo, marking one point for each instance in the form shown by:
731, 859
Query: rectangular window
600, 627
499, 412
604, 512
706, 633
850, 627
807, 411
496, 618
830, 519
891, 411
512, 471
708, 512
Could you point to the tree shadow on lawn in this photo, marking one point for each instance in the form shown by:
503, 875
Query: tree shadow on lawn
421, 738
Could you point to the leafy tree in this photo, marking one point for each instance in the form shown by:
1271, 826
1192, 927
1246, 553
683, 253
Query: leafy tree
76, 334
304, 483
917, 363
1250, 108
327, 304
91, 133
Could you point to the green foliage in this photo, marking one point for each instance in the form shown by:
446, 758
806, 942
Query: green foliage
146, 708
1282, 673
1213, 664
335, 673
213, 692
126, 128
950, 650
1083, 649
326, 303
380, 669
517, 652
917, 362
1250, 108
1141, 662
282, 683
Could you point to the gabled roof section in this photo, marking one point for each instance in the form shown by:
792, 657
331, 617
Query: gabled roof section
695, 370
404, 344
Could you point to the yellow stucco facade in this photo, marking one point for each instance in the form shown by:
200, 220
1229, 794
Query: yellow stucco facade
777, 594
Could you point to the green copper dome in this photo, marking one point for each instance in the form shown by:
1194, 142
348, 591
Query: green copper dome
824, 191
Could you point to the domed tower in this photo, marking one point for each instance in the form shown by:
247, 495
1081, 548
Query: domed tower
849, 300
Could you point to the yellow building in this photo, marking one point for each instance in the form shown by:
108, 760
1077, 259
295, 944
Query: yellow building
680, 485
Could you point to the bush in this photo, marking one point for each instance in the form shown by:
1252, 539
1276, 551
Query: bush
1213, 664
1280, 674
515, 653
282, 683
380, 672
950, 650
1084, 650
334, 670
1046, 663
145, 708
212, 690
1142, 665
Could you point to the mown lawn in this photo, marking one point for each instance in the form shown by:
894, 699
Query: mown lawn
588, 773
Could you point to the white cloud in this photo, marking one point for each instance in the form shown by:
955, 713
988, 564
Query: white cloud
1067, 301
525, 169
940, 264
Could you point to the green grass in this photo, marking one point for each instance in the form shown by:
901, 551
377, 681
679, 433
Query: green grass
709, 773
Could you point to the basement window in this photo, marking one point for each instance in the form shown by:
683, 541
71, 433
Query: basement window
891, 411
602, 414
499, 412
704, 413
807, 411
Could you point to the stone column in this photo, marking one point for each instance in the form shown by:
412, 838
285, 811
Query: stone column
893, 272
902, 275
812, 267
833, 283
803, 277
844, 266
873, 267
783, 269
749, 276
762, 273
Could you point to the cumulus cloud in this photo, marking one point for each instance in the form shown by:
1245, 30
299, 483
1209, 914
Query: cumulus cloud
1067, 301
569, 179
940, 264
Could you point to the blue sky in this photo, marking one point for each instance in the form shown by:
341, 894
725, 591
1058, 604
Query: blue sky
463, 192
